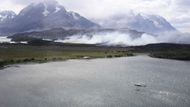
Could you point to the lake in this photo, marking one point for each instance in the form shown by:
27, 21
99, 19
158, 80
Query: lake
97, 83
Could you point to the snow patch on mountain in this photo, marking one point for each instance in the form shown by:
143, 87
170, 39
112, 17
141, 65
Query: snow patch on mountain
42, 15
6, 15
57, 9
157, 24
46, 12
75, 15
2, 18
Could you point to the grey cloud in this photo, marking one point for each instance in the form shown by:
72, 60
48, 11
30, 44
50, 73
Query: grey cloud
26, 2
185, 3
22, 2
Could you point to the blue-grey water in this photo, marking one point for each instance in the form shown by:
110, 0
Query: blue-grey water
97, 83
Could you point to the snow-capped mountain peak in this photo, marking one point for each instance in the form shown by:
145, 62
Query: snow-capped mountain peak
51, 6
46, 11
155, 19
76, 16
153, 24
46, 14
43, 8
7, 15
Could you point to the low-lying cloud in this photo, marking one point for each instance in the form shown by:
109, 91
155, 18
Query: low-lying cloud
125, 39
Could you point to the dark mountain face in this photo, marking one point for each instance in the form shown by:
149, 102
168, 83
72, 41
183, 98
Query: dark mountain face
45, 15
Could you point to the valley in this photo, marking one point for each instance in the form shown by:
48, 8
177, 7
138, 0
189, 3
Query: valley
94, 53
40, 51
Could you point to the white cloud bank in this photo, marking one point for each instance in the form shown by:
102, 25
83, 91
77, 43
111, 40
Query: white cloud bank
124, 39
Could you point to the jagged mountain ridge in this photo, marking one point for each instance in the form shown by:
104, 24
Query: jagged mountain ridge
50, 14
45, 15
153, 24
7, 16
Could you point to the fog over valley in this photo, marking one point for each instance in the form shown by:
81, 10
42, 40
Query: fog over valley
124, 39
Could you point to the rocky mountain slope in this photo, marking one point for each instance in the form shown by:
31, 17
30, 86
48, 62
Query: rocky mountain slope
45, 15
153, 24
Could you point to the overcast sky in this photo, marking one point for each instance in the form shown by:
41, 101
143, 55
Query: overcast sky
177, 12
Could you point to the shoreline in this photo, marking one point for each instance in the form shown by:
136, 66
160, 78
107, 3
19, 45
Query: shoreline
58, 60
42, 53
62, 60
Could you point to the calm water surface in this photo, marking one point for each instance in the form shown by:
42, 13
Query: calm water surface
97, 83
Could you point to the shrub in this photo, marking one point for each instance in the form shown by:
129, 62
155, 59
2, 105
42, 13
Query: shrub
130, 54
109, 56
117, 55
